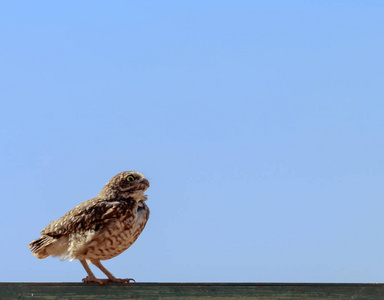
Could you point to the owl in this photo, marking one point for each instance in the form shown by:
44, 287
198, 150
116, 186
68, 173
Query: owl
100, 228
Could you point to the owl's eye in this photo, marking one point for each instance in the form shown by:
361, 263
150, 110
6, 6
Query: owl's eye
130, 178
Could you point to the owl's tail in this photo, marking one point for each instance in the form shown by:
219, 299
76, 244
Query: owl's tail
49, 245
39, 247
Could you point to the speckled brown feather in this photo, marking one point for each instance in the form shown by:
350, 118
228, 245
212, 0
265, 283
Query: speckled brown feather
88, 214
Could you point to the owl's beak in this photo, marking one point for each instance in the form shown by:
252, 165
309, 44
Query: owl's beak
146, 182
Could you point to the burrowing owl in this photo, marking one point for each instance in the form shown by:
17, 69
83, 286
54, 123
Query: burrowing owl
100, 228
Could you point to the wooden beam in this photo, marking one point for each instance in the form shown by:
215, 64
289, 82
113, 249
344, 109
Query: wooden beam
189, 291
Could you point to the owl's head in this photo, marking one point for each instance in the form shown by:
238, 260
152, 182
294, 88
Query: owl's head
128, 184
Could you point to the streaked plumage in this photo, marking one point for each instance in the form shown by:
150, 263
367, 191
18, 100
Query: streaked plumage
100, 228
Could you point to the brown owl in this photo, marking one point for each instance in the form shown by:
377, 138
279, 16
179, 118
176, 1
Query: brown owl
100, 228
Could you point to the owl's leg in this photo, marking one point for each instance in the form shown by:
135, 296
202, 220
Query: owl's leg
91, 277
111, 278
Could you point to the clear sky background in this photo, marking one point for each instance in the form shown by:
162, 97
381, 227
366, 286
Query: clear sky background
260, 125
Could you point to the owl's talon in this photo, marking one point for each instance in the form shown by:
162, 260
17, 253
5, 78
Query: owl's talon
89, 279
125, 280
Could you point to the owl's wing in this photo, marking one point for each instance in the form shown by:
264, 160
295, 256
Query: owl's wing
89, 215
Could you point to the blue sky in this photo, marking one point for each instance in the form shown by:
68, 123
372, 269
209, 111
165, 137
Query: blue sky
260, 125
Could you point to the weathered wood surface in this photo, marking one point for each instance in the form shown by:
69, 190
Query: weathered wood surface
227, 291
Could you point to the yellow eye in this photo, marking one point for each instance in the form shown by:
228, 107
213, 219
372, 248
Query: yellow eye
130, 178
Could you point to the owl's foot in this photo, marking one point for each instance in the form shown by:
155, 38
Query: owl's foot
90, 279
118, 280
93, 279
